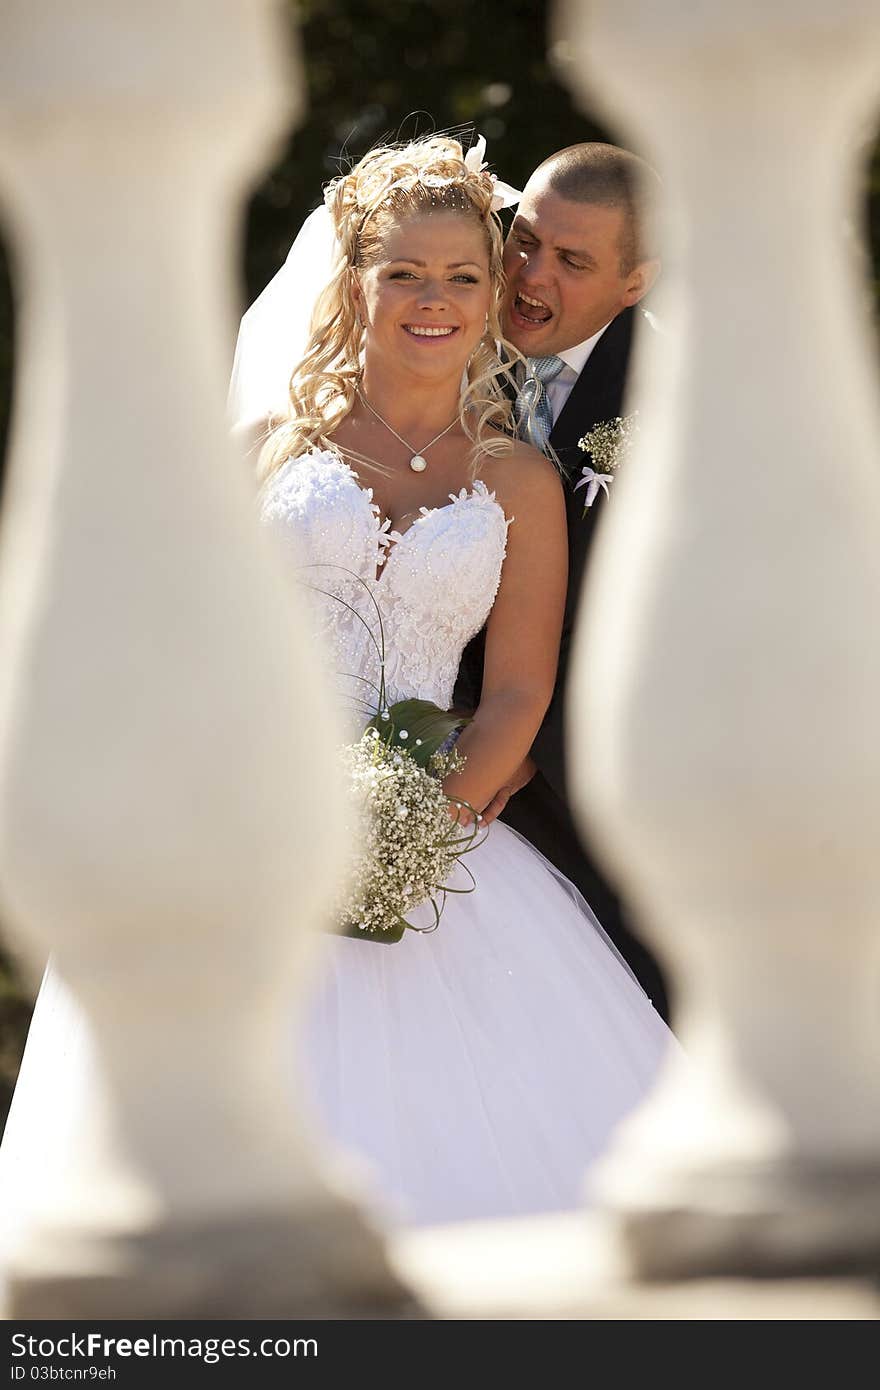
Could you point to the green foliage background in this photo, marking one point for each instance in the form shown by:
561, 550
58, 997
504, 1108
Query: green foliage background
375, 69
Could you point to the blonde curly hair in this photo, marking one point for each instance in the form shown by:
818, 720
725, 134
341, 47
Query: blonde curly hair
389, 184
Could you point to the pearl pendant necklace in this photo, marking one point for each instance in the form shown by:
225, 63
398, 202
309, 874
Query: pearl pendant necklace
418, 463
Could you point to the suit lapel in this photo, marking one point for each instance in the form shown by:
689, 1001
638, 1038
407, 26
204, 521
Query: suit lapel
597, 394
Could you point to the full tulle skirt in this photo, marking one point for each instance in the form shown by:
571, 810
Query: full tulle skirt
482, 1068
475, 1071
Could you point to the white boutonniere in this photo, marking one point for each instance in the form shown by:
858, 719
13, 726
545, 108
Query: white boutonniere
607, 444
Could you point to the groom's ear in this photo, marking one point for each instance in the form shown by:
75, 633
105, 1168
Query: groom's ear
640, 281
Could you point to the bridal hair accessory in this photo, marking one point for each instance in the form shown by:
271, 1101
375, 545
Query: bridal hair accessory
418, 463
352, 200
608, 445
275, 331
504, 195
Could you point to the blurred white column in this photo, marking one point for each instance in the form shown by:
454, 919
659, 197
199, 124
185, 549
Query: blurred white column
729, 660
168, 806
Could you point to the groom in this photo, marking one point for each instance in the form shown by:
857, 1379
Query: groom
577, 266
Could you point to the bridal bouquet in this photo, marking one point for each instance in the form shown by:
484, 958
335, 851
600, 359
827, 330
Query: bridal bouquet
408, 843
406, 831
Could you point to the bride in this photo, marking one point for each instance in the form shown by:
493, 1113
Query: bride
479, 1068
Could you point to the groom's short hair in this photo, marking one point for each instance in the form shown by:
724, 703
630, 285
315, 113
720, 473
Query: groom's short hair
607, 176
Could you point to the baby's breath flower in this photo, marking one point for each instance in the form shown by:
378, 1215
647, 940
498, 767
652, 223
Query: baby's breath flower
407, 846
609, 443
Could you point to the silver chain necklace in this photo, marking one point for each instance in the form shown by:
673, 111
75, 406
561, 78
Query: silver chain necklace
418, 463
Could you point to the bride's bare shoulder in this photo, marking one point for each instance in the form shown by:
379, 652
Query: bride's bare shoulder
522, 472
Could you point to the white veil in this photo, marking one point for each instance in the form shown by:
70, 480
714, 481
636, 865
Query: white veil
274, 332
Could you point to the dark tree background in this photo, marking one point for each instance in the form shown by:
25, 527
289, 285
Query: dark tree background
392, 68
378, 69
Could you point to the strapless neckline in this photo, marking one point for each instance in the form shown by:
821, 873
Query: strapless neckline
388, 537
411, 598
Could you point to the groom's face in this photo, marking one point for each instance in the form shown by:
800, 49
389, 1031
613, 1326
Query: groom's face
564, 277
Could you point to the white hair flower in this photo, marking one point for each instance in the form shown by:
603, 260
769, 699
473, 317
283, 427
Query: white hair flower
504, 195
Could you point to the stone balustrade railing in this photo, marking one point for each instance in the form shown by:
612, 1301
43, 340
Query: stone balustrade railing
155, 691
168, 800
730, 762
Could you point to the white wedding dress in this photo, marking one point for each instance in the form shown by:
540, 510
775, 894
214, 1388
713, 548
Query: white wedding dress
482, 1067
477, 1070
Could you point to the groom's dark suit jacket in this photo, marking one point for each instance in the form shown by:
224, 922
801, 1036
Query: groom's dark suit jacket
540, 811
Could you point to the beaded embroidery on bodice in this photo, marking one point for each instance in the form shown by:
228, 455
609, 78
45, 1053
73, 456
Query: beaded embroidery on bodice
434, 584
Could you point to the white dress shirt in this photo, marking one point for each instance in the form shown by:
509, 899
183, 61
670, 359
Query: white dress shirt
575, 359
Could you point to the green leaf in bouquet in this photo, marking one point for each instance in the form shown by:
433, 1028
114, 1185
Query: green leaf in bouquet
385, 935
418, 727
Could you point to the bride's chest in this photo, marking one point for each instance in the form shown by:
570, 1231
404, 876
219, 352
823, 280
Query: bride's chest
331, 523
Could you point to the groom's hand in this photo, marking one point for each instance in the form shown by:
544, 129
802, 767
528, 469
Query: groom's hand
521, 778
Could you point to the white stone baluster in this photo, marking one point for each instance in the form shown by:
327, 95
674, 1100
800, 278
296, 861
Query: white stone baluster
729, 659
169, 813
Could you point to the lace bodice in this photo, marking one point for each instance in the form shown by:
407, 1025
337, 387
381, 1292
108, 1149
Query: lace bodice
434, 584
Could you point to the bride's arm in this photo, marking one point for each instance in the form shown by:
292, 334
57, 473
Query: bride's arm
523, 631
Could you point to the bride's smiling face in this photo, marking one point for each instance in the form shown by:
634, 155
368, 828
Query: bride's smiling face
425, 293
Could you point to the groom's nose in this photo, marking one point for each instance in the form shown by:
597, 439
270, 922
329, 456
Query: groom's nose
533, 267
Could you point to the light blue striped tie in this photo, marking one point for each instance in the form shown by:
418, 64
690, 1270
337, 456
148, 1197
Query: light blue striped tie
532, 412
